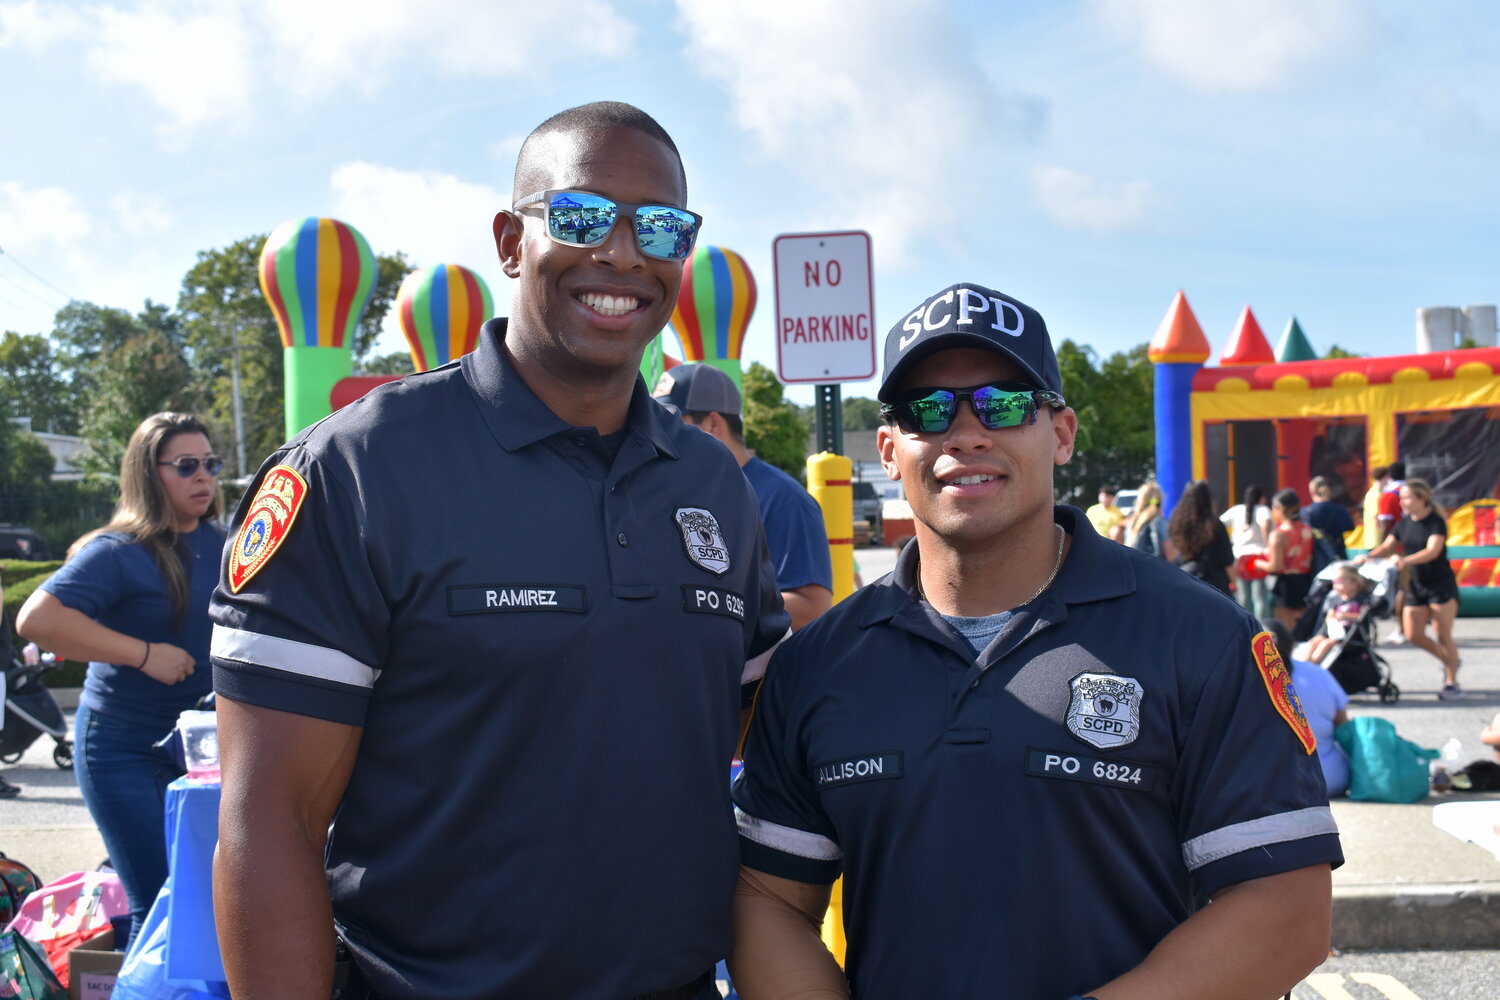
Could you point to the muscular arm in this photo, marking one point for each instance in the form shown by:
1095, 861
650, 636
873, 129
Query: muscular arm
806, 603
1255, 940
778, 952
283, 778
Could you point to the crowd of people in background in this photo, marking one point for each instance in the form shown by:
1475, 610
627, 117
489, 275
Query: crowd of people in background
1267, 555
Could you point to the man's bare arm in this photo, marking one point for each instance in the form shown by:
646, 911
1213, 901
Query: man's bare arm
806, 603
778, 950
283, 777
1255, 940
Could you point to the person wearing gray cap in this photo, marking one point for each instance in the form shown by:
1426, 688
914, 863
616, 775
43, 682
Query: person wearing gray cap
708, 399
1046, 765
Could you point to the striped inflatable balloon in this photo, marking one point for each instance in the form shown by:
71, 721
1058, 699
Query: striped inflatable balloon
715, 305
318, 275
441, 309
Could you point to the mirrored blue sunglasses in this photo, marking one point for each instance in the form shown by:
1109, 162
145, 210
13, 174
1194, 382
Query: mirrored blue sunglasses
578, 218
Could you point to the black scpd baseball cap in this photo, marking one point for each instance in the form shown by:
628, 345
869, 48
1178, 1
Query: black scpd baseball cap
971, 315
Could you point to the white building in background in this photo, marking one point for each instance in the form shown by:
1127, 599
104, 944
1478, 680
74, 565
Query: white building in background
64, 447
1442, 328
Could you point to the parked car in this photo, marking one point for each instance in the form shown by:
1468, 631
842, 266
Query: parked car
17, 542
867, 508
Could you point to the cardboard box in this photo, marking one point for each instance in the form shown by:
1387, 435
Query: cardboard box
92, 968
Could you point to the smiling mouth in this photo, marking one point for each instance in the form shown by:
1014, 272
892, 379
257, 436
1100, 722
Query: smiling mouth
610, 305
970, 480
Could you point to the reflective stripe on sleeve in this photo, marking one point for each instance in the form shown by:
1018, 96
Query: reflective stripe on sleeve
1313, 821
786, 839
292, 656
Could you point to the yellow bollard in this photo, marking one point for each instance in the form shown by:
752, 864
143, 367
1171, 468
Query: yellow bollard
828, 480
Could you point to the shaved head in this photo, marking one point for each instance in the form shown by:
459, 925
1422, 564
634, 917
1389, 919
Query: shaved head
558, 137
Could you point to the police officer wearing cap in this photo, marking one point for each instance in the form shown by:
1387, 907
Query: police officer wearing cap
491, 622
708, 399
1046, 765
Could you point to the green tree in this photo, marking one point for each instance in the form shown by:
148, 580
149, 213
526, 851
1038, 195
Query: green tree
774, 429
395, 363
1335, 352
1114, 401
32, 385
861, 414
145, 375
221, 306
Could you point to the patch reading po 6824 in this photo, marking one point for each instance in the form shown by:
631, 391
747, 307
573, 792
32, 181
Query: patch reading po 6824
1095, 770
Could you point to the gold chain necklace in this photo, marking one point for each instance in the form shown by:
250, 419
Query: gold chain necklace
1056, 565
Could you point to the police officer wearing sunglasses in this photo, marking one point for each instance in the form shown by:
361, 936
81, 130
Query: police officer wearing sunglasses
1046, 765
491, 622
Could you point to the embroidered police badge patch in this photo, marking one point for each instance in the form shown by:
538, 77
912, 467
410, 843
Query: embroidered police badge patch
270, 518
1278, 682
1105, 710
703, 540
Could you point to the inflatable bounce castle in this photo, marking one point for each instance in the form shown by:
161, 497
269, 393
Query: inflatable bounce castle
1279, 418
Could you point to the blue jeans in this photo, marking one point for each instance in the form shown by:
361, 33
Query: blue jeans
124, 784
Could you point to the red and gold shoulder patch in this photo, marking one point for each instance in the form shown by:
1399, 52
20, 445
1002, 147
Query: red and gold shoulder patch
1279, 686
266, 523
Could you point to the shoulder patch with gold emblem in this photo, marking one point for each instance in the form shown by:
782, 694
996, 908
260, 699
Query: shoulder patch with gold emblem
1278, 680
269, 519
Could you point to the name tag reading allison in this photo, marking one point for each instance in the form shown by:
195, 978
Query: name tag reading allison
866, 767
500, 598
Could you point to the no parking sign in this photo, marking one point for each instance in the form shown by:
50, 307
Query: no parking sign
825, 307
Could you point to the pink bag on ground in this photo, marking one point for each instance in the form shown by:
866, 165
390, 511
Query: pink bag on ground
76, 902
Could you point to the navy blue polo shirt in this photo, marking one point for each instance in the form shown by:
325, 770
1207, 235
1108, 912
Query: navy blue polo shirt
1033, 822
545, 646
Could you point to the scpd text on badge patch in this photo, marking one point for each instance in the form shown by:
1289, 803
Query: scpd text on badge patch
1279, 686
703, 540
1105, 709
265, 526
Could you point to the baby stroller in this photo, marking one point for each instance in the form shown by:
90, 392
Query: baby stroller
1354, 662
30, 711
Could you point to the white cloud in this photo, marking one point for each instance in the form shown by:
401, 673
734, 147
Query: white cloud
432, 217
30, 25
140, 215
193, 60
881, 109
36, 217
324, 44
1078, 201
1248, 45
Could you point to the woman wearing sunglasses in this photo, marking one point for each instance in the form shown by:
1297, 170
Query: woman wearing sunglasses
132, 600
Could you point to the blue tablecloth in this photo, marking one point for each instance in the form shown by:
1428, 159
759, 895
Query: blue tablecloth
192, 832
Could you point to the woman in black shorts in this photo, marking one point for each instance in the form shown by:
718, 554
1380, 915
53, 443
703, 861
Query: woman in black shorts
1431, 588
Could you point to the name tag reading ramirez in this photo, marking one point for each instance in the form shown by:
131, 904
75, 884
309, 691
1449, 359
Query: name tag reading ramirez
500, 598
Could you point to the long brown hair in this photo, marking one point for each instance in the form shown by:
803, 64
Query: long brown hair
145, 512
1192, 524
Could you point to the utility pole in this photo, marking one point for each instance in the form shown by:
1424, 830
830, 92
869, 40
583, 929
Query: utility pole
239, 416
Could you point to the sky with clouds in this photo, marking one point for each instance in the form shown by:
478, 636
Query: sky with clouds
1335, 160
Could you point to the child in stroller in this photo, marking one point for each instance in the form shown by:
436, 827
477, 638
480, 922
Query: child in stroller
1335, 607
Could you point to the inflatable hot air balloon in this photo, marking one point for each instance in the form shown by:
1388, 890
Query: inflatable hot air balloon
317, 274
714, 308
441, 309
